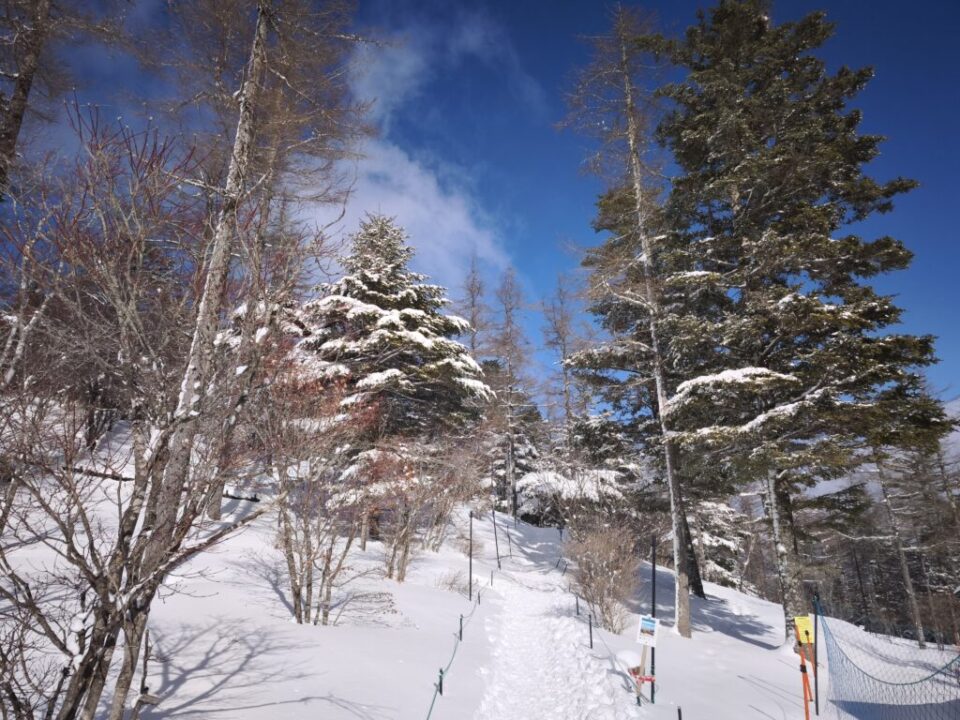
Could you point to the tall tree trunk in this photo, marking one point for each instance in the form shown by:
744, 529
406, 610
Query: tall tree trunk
195, 376
789, 567
696, 579
901, 554
864, 597
16, 106
677, 514
133, 641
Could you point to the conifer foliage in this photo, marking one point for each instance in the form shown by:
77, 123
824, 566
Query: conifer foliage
744, 331
772, 174
381, 331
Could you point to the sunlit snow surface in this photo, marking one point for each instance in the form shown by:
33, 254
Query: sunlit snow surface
225, 646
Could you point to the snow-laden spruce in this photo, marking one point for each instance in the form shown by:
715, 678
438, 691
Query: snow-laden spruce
381, 331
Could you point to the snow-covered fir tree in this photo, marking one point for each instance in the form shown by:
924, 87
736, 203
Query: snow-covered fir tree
592, 476
511, 435
381, 332
771, 175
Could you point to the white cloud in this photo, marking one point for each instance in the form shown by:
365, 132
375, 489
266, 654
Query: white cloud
434, 200
445, 223
476, 35
391, 74
395, 72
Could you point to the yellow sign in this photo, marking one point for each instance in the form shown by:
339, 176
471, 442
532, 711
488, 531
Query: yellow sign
804, 625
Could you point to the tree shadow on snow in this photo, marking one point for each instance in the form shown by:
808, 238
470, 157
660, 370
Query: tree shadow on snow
270, 569
869, 711
234, 664
710, 613
716, 615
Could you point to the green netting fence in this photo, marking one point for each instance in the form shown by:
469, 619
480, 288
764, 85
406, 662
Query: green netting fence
880, 677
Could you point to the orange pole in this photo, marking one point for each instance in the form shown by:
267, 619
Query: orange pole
807, 693
812, 663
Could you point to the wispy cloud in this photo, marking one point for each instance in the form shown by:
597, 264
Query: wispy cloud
396, 72
434, 200
477, 35
446, 224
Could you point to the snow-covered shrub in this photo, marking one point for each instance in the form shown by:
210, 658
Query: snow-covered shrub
606, 572
553, 497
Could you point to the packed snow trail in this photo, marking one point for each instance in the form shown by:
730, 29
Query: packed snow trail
543, 667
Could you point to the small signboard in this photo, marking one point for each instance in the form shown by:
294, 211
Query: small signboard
647, 631
804, 625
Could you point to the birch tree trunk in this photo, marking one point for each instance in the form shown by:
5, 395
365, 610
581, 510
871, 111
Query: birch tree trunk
195, 376
680, 555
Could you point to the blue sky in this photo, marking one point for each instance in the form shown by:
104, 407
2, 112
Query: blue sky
467, 96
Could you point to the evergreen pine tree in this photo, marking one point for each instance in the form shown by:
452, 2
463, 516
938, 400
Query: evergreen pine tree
380, 331
771, 174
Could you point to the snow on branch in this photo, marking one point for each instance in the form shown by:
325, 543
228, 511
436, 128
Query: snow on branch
755, 377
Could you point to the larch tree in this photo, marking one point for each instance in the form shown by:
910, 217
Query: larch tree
560, 335
472, 306
610, 101
176, 261
509, 348
34, 35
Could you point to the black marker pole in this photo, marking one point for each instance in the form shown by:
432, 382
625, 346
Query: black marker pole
470, 590
653, 613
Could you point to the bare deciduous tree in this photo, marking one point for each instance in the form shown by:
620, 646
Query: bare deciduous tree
609, 102
606, 572
140, 244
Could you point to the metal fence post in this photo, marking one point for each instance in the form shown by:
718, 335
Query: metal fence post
816, 646
496, 541
470, 590
653, 613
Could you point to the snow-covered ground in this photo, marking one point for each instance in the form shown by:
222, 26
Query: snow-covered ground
225, 647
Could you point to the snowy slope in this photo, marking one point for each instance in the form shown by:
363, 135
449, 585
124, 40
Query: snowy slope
224, 646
